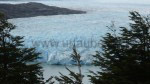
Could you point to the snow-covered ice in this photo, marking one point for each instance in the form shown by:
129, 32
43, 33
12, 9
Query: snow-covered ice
54, 36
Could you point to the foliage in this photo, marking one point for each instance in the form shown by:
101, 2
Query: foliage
73, 78
125, 57
17, 64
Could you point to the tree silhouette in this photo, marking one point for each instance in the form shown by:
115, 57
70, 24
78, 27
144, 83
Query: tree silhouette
17, 63
125, 57
73, 78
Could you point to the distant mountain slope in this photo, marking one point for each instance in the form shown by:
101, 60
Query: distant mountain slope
34, 9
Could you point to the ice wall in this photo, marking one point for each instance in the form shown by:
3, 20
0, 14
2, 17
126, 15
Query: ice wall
54, 36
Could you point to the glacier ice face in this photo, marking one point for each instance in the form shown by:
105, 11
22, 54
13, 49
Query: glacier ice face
54, 36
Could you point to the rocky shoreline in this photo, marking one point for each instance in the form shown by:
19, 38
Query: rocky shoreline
33, 9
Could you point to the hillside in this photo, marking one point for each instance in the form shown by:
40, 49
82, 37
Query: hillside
34, 9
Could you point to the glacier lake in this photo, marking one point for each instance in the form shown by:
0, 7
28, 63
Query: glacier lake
54, 36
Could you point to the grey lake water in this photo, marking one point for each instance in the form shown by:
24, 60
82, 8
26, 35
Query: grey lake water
53, 70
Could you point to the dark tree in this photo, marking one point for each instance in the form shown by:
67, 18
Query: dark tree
17, 63
125, 57
73, 78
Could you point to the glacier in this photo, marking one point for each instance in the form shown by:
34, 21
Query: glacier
54, 36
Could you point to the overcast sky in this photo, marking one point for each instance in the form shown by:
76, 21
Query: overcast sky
103, 1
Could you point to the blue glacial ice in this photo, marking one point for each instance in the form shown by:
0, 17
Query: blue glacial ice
54, 36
